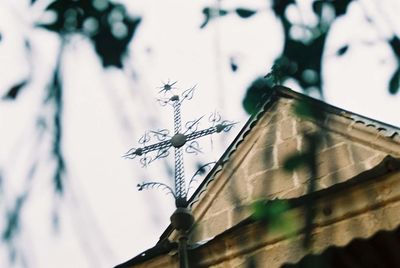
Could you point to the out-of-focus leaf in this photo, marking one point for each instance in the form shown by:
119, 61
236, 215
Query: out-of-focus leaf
245, 13
394, 82
340, 6
211, 13
294, 161
13, 219
303, 110
254, 94
12, 94
56, 96
341, 51
233, 65
395, 45
273, 214
317, 7
107, 25
279, 6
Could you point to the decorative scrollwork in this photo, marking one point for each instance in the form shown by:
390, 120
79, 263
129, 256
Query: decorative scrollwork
188, 93
155, 185
193, 148
224, 126
161, 134
162, 153
193, 125
167, 87
148, 153
214, 118
131, 154
228, 125
163, 101
145, 160
145, 138
203, 169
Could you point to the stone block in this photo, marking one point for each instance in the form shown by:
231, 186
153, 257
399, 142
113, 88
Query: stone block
293, 193
221, 202
375, 160
286, 149
333, 159
271, 182
342, 174
268, 136
361, 153
239, 213
287, 129
303, 174
216, 224
330, 139
305, 126
238, 187
261, 160
197, 233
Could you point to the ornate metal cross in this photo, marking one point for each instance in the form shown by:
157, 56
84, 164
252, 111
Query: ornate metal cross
178, 140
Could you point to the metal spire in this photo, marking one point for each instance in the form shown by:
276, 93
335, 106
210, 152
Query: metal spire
179, 139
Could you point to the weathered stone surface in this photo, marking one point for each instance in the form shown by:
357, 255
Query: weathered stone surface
292, 193
305, 126
268, 136
287, 129
286, 149
303, 174
197, 233
224, 201
216, 224
342, 174
330, 139
239, 213
361, 153
375, 160
271, 182
333, 159
262, 159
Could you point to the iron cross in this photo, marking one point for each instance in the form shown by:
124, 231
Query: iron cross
178, 140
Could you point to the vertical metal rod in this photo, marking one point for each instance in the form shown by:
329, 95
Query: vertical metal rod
180, 187
183, 252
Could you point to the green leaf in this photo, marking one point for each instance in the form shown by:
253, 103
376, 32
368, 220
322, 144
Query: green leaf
394, 83
294, 161
273, 214
395, 45
342, 50
12, 94
317, 7
245, 13
211, 13
303, 110
255, 93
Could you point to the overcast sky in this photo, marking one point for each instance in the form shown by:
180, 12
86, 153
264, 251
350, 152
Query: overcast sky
103, 219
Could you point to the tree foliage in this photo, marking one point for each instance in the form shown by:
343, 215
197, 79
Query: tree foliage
110, 29
302, 56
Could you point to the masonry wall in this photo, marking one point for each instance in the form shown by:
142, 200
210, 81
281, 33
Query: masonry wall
256, 171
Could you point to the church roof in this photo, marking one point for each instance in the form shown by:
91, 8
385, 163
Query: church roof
378, 132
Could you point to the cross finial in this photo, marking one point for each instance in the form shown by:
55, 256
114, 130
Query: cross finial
178, 140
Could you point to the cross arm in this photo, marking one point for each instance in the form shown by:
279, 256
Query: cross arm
140, 151
208, 131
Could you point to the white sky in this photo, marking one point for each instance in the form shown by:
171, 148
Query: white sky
103, 219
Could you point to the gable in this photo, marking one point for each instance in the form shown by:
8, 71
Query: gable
254, 170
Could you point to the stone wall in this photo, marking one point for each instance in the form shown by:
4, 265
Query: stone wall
256, 171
